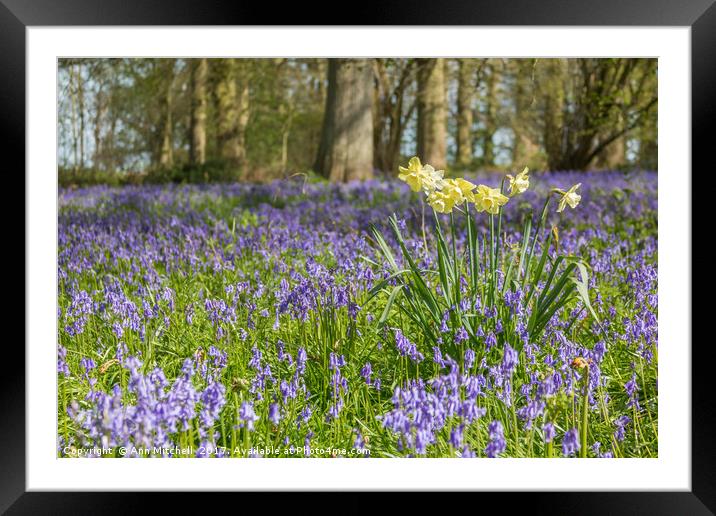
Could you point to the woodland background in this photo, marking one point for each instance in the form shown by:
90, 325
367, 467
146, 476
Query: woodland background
205, 120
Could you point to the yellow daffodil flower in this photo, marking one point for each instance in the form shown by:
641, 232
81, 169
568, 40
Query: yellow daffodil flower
460, 190
489, 199
421, 177
451, 193
441, 202
520, 183
570, 197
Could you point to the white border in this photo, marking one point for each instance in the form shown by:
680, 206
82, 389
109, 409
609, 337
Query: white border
670, 471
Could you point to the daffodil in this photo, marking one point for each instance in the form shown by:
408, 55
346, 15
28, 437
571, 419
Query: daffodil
421, 177
459, 189
489, 199
441, 201
451, 193
570, 197
466, 188
520, 183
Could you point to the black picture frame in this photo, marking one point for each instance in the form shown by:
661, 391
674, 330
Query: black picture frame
700, 15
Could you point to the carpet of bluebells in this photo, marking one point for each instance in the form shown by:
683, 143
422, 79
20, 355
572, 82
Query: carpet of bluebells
235, 321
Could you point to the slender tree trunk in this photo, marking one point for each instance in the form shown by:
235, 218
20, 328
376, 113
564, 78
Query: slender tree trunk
465, 96
432, 113
286, 108
390, 113
81, 107
232, 95
488, 146
100, 113
75, 128
346, 149
243, 121
526, 151
111, 160
197, 142
166, 155
555, 123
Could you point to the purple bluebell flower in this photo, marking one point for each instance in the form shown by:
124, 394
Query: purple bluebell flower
497, 443
548, 429
632, 388
247, 416
366, 372
469, 358
87, 364
359, 442
510, 358
274, 414
407, 348
213, 401
61, 361
621, 423
456, 436
490, 341
461, 335
438, 356
570, 442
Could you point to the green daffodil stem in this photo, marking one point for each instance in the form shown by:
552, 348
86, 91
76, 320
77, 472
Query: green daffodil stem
540, 226
492, 260
498, 247
585, 413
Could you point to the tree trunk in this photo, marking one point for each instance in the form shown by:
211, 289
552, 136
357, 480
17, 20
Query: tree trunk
490, 121
432, 113
197, 142
100, 113
81, 106
232, 95
75, 127
346, 149
465, 96
648, 154
526, 151
391, 110
613, 155
554, 122
285, 133
166, 155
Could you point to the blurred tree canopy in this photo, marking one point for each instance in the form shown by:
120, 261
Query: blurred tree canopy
257, 119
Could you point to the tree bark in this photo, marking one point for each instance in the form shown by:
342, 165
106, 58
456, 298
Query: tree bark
526, 151
613, 155
391, 110
647, 158
75, 127
432, 113
490, 117
166, 155
100, 113
465, 96
197, 142
81, 106
232, 94
346, 149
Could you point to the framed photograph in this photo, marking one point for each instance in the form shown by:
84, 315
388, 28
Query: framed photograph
445, 249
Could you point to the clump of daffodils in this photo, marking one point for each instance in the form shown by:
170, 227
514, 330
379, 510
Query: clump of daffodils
446, 194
